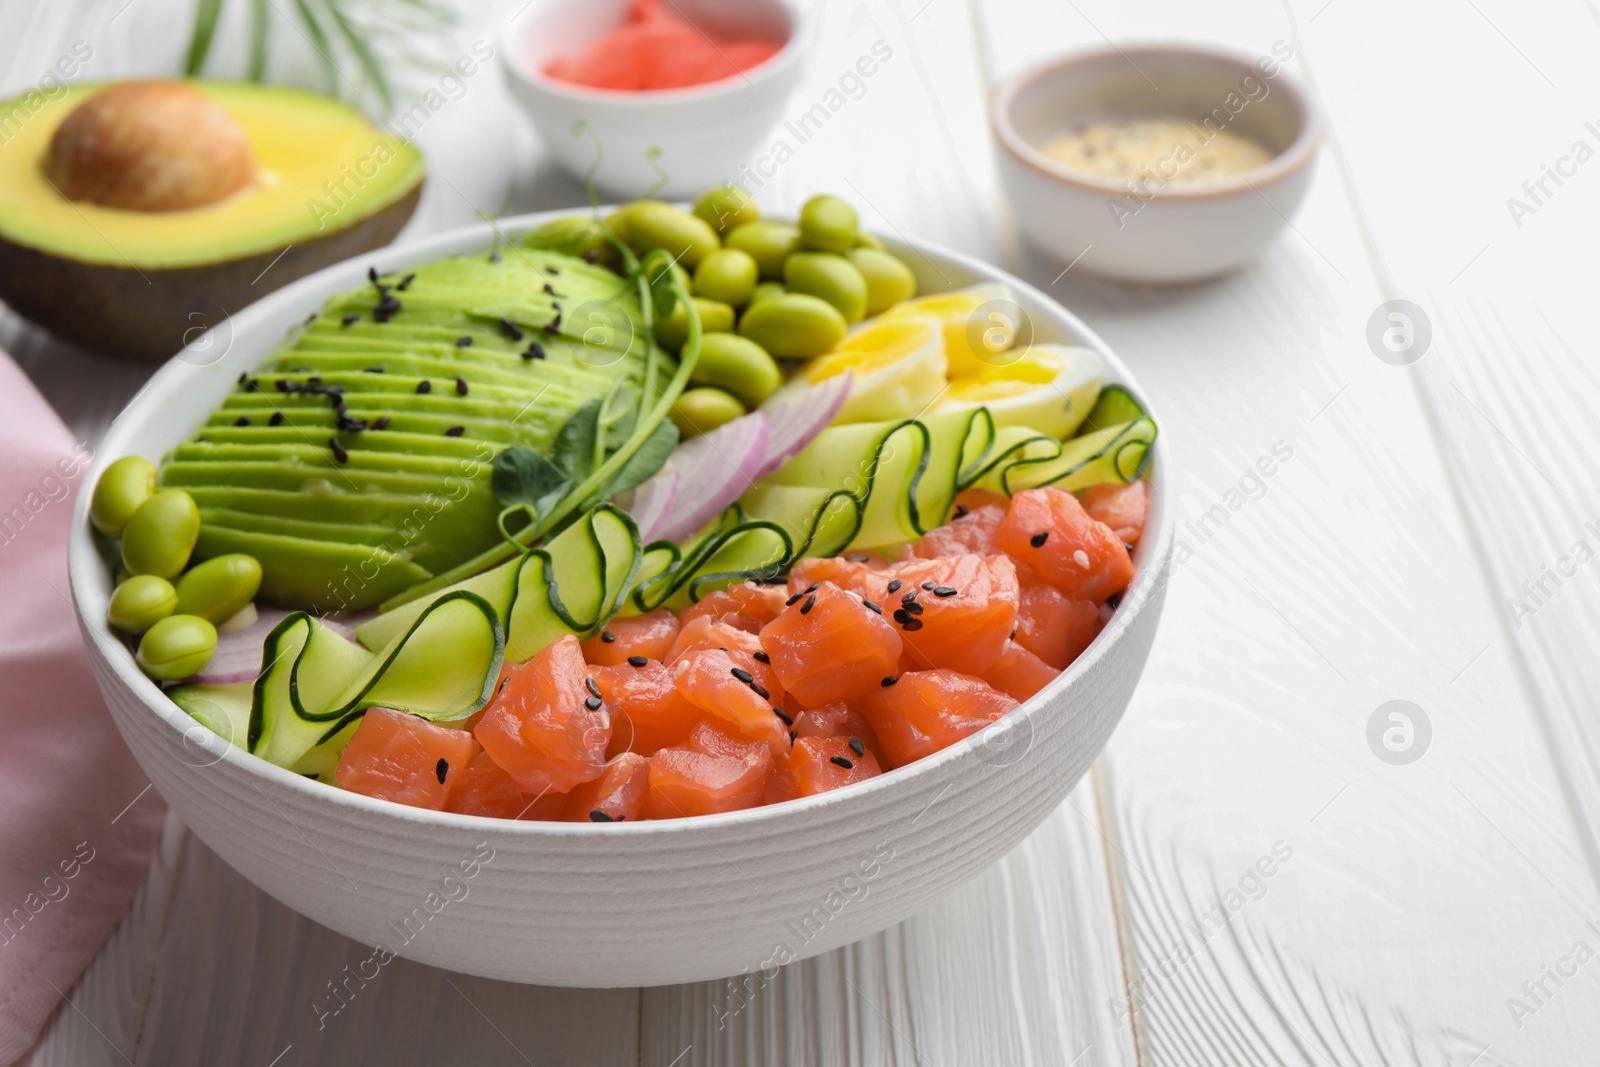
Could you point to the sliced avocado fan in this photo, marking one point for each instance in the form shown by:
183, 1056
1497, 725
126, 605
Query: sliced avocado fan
357, 460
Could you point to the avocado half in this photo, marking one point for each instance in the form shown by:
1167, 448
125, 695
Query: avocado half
327, 185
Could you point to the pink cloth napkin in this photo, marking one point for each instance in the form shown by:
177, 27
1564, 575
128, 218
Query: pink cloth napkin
75, 832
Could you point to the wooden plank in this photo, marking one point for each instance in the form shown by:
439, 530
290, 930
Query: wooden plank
1499, 259
1305, 601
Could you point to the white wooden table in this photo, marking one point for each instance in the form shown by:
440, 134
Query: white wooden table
1429, 537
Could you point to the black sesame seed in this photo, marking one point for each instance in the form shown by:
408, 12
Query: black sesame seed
902, 616
282, 385
242, 420
787, 721
913, 626
637, 661
380, 423
461, 387
372, 275
761, 657
372, 370
349, 423
502, 684
928, 587
591, 686
1128, 547
405, 283
592, 256
463, 342
887, 682
424, 386
760, 690
909, 598
276, 420
794, 599
1113, 600
494, 257
599, 816
960, 512
554, 325
549, 289
512, 330
455, 431
349, 320
811, 602
607, 636
841, 761
743, 675
338, 450
592, 703
441, 769
792, 736
243, 375
553, 272
1038, 539
872, 607
944, 590
857, 747
203, 437
535, 351
253, 384
894, 586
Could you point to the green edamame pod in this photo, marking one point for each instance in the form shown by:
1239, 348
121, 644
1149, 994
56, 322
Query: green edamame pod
728, 275
673, 330
794, 326
830, 277
889, 280
122, 488
698, 411
726, 208
176, 647
161, 535
652, 224
765, 291
737, 365
141, 602
828, 224
768, 243
219, 588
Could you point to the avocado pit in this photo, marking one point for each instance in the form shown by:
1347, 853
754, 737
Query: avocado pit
153, 146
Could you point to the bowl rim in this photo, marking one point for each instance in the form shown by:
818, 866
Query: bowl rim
509, 37
83, 554
1285, 164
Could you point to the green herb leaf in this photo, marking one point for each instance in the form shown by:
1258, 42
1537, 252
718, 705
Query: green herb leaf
649, 458
619, 415
575, 444
663, 296
206, 14
524, 478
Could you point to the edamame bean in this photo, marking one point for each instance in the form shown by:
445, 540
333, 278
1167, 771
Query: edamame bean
161, 535
728, 275
828, 224
833, 278
889, 280
768, 243
652, 224
794, 326
176, 647
765, 291
698, 411
122, 488
726, 208
575, 235
672, 331
141, 602
737, 365
219, 588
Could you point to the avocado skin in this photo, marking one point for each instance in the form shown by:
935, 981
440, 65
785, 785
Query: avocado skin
150, 313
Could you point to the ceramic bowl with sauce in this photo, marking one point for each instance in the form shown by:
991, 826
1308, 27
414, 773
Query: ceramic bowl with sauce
693, 137
1155, 162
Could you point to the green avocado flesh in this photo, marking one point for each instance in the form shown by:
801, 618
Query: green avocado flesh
401, 500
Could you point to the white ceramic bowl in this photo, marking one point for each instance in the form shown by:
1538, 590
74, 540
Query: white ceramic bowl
630, 904
1160, 231
704, 133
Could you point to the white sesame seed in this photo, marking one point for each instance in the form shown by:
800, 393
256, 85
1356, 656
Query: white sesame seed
1082, 557
683, 665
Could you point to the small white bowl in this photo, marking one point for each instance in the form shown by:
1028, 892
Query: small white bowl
704, 132
626, 904
1160, 231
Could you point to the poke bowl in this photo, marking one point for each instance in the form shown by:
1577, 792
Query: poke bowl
604, 901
